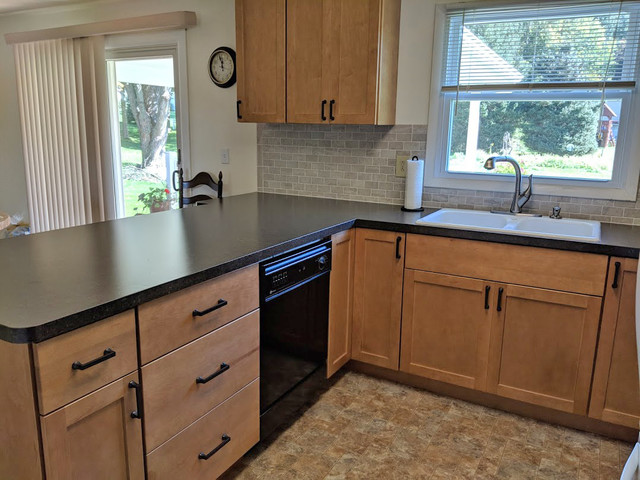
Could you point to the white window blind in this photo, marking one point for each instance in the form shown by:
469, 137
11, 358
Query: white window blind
542, 46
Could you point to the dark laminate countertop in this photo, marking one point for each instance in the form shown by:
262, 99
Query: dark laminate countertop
55, 282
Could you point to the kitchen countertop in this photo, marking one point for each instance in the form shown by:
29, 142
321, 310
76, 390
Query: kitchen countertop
55, 282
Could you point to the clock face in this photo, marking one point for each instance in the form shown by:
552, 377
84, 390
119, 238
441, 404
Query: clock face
222, 67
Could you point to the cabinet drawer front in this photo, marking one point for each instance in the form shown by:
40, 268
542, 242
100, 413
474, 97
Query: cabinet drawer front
172, 397
537, 267
169, 322
76, 363
238, 418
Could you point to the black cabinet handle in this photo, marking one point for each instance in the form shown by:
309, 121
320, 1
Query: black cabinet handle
206, 456
398, 240
137, 413
500, 290
238, 109
223, 368
331, 104
221, 303
322, 115
615, 276
108, 353
487, 289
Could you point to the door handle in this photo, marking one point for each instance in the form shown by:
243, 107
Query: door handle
614, 284
331, 104
107, 354
238, 109
398, 240
223, 368
221, 303
487, 289
500, 291
137, 413
322, 115
206, 456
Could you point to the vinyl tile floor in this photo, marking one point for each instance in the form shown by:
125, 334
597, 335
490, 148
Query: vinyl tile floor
367, 428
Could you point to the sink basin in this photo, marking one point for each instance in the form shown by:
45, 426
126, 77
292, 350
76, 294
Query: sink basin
564, 229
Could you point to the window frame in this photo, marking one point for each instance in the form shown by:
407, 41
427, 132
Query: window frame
171, 43
626, 169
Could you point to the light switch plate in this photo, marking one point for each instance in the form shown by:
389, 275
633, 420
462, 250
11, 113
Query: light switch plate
224, 155
401, 165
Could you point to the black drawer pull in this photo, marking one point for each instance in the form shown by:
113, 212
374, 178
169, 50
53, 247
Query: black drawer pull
331, 104
206, 456
500, 290
221, 303
137, 413
322, 115
238, 103
223, 368
615, 276
108, 353
398, 240
487, 289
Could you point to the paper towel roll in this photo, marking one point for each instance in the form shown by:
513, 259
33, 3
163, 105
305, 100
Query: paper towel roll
413, 186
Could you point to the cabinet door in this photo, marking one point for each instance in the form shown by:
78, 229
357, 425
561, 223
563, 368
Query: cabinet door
615, 395
446, 322
340, 300
261, 60
352, 54
307, 30
542, 347
95, 437
377, 300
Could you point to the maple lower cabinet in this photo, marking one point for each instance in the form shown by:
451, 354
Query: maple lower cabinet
260, 60
543, 346
95, 437
377, 297
340, 300
615, 395
446, 323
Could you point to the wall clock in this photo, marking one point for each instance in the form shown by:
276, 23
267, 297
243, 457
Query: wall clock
222, 67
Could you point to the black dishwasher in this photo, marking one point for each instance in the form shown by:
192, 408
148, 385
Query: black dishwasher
294, 315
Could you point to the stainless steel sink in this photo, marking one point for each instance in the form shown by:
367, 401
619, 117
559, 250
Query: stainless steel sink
564, 229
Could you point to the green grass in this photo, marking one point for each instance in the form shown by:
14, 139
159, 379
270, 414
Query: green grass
132, 189
131, 154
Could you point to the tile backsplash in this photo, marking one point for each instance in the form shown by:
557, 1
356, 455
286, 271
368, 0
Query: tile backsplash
357, 162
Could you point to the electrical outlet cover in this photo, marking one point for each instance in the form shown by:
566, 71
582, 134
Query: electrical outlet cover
225, 156
401, 165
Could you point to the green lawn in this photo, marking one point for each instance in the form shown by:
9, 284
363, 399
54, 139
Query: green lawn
131, 154
132, 189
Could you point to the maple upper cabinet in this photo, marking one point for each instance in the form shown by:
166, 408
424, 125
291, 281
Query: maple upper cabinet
446, 321
542, 347
615, 395
377, 298
260, 61
341, 60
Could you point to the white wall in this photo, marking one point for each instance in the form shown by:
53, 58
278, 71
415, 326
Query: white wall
212, 110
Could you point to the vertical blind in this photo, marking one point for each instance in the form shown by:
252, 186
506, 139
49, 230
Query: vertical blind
542, 45
60, 110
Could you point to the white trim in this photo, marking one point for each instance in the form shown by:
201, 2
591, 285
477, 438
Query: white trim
623, 186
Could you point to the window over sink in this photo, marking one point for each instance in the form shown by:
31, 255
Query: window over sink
552, 84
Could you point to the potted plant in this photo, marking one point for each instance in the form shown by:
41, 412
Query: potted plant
156, 199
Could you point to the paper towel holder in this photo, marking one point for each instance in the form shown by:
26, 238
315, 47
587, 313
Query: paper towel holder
421, 209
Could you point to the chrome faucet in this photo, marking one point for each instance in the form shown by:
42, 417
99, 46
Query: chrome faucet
519, 197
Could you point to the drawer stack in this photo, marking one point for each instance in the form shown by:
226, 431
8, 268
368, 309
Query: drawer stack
200, 367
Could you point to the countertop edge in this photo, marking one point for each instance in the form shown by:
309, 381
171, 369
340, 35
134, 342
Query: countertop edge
94, 314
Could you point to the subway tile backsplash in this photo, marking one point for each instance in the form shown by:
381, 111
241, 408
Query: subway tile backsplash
357, 162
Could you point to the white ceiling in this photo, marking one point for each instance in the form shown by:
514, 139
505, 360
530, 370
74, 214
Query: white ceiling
12, 6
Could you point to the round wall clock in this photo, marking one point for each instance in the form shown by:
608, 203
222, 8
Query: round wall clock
222, 67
